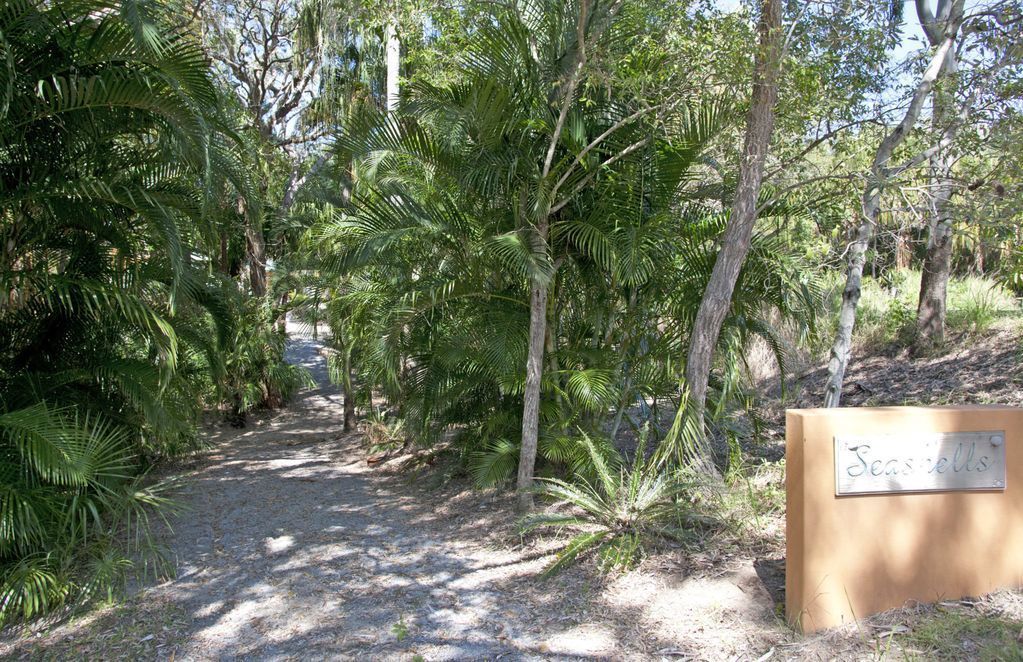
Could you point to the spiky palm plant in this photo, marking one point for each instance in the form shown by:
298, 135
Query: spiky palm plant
617, 513
253, 372
73, 510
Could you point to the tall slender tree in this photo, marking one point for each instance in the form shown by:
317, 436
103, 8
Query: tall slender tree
273, 55
937, 265
881, 174
738, 235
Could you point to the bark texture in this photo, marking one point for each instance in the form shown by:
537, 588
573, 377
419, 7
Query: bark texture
880, 173
531, 396
348, 391
563, 94
255, 249
937, 266
735, 243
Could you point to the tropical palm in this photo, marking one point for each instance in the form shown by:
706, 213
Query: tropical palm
444, 229
113, 164
617, 512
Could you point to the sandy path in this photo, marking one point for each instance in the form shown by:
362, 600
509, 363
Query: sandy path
293, 547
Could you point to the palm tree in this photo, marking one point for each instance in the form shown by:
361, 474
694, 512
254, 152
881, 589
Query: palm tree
483, 196
112, 162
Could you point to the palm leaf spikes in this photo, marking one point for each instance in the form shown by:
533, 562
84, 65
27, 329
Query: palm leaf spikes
618, 510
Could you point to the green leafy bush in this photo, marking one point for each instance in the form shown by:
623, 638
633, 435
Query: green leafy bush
111, 153
70, 501
887, 307
254, 373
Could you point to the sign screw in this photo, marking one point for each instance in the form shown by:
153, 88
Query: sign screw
996, 440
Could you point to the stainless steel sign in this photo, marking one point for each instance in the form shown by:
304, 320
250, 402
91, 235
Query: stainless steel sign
924, 462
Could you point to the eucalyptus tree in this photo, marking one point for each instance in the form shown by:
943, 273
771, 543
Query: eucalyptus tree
990, 48
276, 56
963, 31
880, 175
736, 241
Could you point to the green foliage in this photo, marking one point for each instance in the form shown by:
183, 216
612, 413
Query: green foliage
493, 462
112, 161
400, 629
616, 514
71, 500
253, 373
887, 309
436, 252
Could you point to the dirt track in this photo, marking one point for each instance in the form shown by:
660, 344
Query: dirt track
293, 548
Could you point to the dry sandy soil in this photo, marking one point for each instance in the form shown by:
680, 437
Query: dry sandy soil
294, 548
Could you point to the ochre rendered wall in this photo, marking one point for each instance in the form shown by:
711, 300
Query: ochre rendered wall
852, 556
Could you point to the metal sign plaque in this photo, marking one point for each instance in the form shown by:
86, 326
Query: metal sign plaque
926, 462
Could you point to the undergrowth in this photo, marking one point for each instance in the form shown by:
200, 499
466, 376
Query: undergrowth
886, 314
955, 635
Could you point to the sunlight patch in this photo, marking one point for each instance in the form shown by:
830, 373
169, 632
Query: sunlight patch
581, 640
279, 544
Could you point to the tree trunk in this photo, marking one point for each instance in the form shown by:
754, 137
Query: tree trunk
738, 234
871, 210
562, 93
282, 321
903, 254
255, 249
225, 258
347, 392
931, 309
531, 396
392, 46
930, 315
937, 266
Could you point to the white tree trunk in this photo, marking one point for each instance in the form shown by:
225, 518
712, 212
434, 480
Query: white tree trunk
937, 266
392, 46
871, 209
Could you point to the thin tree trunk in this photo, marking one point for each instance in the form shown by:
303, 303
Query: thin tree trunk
255, 249
531, 395
347, 392
562, 93
903, 256
931, 307
871, 210
257, 259
738, 234
282, 321
392, 46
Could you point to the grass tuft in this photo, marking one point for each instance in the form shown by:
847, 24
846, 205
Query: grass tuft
954, 635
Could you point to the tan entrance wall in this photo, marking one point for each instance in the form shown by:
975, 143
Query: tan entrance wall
852, 556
